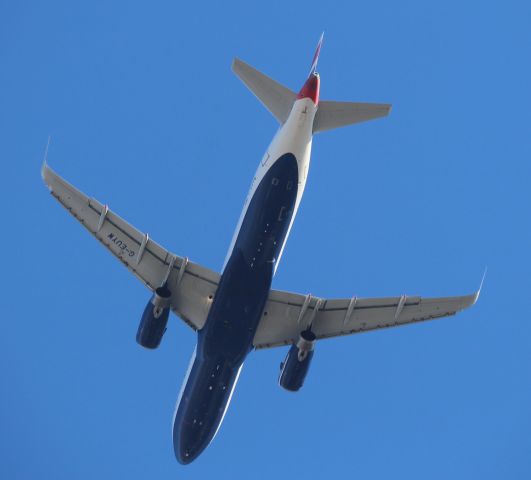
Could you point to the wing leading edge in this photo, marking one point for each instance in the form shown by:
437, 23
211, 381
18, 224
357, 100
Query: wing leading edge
192, 285
287, 314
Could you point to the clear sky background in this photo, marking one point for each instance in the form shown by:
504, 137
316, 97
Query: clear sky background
145, 115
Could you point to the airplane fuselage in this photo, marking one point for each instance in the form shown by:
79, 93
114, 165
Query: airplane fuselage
227, 337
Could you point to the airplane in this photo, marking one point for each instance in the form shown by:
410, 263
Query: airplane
236, 311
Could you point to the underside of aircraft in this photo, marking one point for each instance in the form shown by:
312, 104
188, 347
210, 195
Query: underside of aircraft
237, 311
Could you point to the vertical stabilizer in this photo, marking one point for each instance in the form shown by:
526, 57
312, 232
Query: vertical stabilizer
311, 87
313, 68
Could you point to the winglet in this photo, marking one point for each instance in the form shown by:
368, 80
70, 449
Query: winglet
480, 285
46, 171
45, 161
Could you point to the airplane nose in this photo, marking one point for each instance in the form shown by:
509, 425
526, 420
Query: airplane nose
201, 408
186, 455
189, 445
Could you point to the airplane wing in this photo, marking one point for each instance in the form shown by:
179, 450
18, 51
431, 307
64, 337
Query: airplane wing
192, 286
287, 314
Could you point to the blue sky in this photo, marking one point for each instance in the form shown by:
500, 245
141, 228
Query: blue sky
145, 115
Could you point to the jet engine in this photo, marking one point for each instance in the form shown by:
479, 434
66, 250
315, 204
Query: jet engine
295, 366
154, 319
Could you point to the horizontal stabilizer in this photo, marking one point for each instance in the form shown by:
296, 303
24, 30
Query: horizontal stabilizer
339, 114
277, 98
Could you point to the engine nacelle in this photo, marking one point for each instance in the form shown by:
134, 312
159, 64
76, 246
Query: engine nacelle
154, 319
295, 366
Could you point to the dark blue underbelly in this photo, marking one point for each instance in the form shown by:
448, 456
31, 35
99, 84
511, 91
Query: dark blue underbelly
228, 334
202, 406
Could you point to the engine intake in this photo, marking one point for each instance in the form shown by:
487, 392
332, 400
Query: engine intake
295, 366
154, 319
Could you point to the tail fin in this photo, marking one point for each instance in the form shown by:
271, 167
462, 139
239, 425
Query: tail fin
339, 114
277, 98
313, 68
